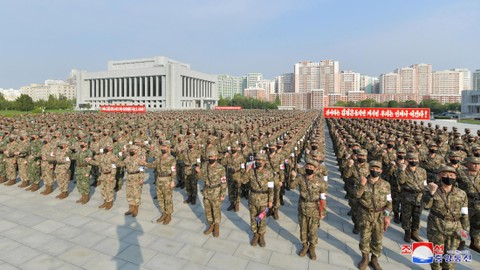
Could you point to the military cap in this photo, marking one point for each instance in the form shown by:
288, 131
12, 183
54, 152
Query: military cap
314, 143
362, 152
108, 145
261, 156
315, 153
133, 147
401, 149
411, 155
115, 136
432, 144
453, 154
312, 162
351, 140
356, 144
458, 141
475, 160
212, 153
455, 128
167, 142
467, 129
446, 168
375, 163
476, 147
137, 140
280, 143
62, 143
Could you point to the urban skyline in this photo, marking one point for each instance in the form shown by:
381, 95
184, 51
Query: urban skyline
235, 37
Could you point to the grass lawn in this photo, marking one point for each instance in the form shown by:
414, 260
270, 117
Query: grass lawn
469, 121
14, 113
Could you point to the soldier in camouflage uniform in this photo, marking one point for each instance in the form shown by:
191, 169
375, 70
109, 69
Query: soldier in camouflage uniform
33, 162
394, 184
261, 185
311, 205
82, 171
469, 181
353, 171
412, 180
214, 176
3, 147
191, 158
235, 164
11, 161
118, 150
22, 153
61, 158
448, 213
134, 164
47, 166
277, 166
95, 148
431, 162
375, 205
166, 175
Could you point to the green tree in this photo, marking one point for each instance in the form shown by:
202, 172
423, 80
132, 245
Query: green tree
24, 103
393, 104
340, 103
223, 101
434, 105
453, 106
277, 101
410, 104
367, 103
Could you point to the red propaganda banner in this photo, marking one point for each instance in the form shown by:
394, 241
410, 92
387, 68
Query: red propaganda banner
123, 108
227, 108
379, 113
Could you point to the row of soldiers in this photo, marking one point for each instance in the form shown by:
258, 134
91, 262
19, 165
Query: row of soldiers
424, 167
250, 153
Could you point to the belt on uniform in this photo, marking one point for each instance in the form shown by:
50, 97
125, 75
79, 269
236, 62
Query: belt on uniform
81, 166
164, 174
259, 191
215, 186
311, 201
409, 190
444, 217
372, 210
106, 172
134, 172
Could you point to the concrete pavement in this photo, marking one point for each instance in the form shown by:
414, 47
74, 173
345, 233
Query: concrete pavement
41, 232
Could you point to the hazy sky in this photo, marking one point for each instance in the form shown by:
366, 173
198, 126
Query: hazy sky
45, 39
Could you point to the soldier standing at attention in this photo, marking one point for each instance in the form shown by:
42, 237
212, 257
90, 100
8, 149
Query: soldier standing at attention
62, 168
260, 180
107, 164
311, 205
191, 158
134, 163
22, 153
33, 162
448, 213
166, 175
11, 161
412, 180
82, 171
47, 166
276, 163
3, 147
235, 169
375, 205
214, 176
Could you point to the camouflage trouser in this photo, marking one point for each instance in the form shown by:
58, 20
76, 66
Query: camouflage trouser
450, 240
2, 167
62, 174
212, 210
95, 173
47, 173
353, 209
134, 188
371, 232
396, 201
474, 217
180, 166
308, 228
276, 194
33, 171
165, 195
11, 168
411, 216
233, 190
119, 176
22, 169
191, 184
254, 211
107, 182
82, 176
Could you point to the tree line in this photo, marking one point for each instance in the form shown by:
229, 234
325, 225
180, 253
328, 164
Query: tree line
25, 103
434, 105
248, 102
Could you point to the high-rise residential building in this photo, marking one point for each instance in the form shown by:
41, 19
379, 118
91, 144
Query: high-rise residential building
55, 88
229, 86
285, 83
268, 85
349, 81
306, 76
253, 79
330, 76
389, 83
156, 82
10, 94
476, 80
367, 84
467, 77
423, 76
407, 80
447, 82
257, 93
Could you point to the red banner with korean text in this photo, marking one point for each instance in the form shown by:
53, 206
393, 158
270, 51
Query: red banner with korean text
227, 108
378, 113
123, 108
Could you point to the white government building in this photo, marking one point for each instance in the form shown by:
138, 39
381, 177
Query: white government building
158, 83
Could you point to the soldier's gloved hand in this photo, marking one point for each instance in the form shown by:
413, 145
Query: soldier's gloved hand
432, 187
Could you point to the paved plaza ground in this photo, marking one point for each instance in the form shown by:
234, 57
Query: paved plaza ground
41, 232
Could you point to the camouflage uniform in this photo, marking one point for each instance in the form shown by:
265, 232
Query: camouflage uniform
22, 153
133, 164
11, 162
261, 194
166, 173
311, 206
33, 164
47, 166
375, 204
277, 166
448, 214
62, 168
3, 147
82, 172
191, 158
107, 164
235, 164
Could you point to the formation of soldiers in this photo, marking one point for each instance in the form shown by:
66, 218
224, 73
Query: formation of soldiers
253, 154
395, 169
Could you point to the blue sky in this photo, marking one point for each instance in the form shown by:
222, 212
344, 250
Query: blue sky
45, 39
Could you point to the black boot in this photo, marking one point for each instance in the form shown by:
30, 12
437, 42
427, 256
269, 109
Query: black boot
281, 200
408, 236
194, 200
396, 218
231, 207
188, 200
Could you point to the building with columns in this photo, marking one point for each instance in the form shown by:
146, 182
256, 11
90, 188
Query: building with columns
158, 83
